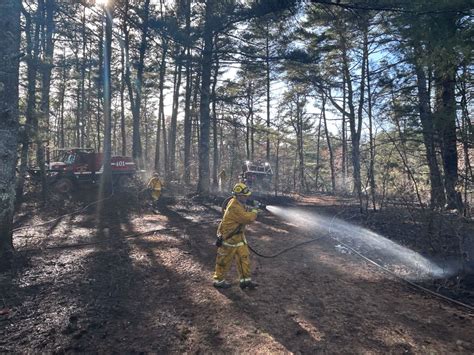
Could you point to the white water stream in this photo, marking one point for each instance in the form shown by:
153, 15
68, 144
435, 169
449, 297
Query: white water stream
399, 259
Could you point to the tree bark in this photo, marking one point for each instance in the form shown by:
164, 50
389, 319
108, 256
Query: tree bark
9, 66
62, 92
344, 135
301, 169
100, 86
318, 153
268, 87
371, 172
195, 123
446, 127
161, 108
82, 113
136, 143
466, 134
215, 160
187, 100
356, 131
328, 141
106, 178
122, 103
32, 51
46, 69
204, 126
437, 198
174, 116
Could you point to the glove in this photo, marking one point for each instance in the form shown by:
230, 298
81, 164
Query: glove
219, 241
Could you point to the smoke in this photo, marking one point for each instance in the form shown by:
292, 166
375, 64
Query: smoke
399, 259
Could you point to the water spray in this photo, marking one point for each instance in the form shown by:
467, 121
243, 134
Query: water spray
419, 267
340, 230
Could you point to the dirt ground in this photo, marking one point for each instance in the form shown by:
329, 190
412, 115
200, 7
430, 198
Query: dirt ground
74, 289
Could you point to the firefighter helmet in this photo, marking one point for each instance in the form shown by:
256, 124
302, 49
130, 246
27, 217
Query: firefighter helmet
241, 189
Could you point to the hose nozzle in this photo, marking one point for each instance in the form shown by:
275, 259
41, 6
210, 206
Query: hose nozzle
258, 204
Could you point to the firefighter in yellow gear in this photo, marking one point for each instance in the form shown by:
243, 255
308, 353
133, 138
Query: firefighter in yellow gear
155, 185
231, 240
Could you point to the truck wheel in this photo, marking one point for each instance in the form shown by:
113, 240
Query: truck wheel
63, 185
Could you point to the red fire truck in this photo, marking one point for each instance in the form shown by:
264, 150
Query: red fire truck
74, 166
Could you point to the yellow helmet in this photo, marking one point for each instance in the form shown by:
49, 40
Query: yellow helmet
241, 189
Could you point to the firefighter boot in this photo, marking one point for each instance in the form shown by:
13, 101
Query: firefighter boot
221, 284
248, 284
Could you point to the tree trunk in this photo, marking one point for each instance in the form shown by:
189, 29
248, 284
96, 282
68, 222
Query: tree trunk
106, 178
62, 92
9, 65
90, 94
328, 140
195, 123
78, 129
157, 145
252, 129
165, 143
174, 116
446, 127
100, 85
267, 78
300, 144
356, 131
122, 103
247, 135
82, 101
187, 102
46, 69
466, 134
426, 118
344, 135
371, 172
32, 49
161, 103
318, 153
136, 143
215, 160
277, 164
204, 178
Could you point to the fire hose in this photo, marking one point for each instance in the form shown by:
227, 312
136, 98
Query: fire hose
64, 215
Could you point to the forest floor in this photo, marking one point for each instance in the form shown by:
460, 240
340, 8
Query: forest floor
74, 289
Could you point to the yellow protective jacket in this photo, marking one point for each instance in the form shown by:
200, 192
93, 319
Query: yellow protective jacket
235, 216
155, 185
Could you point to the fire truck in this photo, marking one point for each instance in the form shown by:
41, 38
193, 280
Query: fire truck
74, 166
258, 176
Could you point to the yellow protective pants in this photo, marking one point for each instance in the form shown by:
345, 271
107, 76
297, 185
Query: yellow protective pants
155, 194
225, 255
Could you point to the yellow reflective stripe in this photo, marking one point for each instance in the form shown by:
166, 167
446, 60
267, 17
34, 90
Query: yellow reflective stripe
233, 245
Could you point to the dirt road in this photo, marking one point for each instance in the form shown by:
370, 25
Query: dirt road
119, 292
